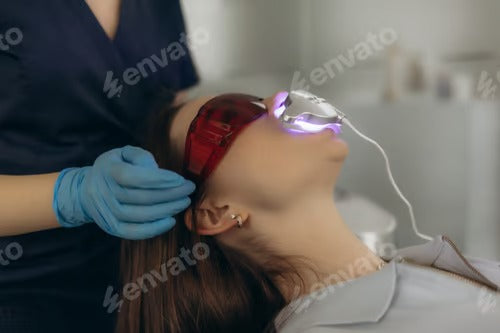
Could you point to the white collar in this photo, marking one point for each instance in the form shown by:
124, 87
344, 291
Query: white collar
348, 303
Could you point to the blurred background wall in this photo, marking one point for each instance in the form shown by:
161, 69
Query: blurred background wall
429, 98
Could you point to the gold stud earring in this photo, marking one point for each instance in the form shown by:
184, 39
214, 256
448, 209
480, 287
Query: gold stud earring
238, 219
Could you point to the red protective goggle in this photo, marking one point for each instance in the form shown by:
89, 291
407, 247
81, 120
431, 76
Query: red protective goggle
214, 129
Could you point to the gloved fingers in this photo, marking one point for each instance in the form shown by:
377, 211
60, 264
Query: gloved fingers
134, 176
138, 156
145, 213
147, 230
133, 196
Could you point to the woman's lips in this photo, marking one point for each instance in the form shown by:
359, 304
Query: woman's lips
332, 131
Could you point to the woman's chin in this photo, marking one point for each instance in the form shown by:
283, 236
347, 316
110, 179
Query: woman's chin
336, 147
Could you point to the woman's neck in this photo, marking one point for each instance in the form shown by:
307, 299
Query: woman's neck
332, 252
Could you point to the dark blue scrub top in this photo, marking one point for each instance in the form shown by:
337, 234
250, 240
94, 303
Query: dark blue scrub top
56, 113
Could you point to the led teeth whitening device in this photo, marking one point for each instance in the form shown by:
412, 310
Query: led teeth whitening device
307, 113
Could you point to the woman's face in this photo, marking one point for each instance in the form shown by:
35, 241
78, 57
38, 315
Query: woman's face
268, 166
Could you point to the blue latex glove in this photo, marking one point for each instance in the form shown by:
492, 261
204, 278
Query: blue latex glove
124, 192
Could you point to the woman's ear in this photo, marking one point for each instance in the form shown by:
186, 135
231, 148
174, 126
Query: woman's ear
212, 220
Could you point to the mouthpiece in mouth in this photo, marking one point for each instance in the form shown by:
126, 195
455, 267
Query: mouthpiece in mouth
305, 112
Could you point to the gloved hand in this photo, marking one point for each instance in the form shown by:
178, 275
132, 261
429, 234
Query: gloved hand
124, 193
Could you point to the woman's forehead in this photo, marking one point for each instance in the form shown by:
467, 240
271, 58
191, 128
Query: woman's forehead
182, 121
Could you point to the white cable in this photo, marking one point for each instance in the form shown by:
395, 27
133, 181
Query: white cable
391, 178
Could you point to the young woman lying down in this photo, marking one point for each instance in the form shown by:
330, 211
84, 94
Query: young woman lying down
263, 248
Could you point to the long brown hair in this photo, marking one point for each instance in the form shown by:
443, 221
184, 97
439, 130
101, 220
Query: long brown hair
226, 292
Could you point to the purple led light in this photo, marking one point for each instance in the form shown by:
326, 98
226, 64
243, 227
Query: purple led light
314, 128
279, 111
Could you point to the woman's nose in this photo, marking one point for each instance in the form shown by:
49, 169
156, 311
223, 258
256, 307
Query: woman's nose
274, 103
